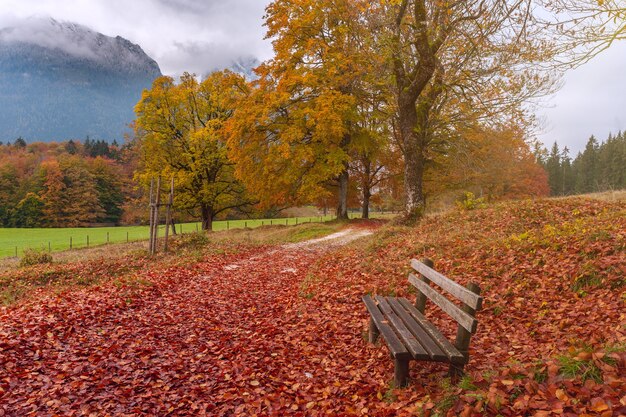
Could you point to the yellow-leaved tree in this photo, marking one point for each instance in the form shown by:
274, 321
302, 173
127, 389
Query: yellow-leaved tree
180, 129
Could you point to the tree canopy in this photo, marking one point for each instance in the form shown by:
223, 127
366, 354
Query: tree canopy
180, 133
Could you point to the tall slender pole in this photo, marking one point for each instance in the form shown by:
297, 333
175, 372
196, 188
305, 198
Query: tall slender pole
168, 215
157, 203
151, 214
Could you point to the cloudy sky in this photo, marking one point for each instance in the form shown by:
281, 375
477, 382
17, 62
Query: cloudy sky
181, 35
199, 35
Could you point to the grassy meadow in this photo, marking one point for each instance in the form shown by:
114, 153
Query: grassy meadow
13, 241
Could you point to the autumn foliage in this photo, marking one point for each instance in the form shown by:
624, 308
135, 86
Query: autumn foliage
255, 330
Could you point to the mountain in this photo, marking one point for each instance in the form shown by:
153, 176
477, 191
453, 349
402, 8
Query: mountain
60, 80
245, 66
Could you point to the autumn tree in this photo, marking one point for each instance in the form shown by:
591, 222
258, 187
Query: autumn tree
180, 132
107, 178
493, 163
295, 132
28, 212
53, 193
452, 62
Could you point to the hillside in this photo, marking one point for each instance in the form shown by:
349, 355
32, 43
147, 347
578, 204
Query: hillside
230, 327
60, 80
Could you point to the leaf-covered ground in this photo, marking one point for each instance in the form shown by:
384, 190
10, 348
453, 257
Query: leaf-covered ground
270, 330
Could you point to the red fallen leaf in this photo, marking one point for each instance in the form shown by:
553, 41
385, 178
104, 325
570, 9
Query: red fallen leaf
598, 405
188, 305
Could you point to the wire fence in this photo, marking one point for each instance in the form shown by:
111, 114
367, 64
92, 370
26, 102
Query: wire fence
14, 241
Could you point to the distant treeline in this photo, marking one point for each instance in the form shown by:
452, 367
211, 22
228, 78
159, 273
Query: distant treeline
64, 184
600, 167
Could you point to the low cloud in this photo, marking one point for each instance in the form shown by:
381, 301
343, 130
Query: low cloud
48, 33
181, 35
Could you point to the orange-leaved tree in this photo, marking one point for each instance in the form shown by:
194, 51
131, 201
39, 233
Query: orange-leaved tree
293, 134
493, 163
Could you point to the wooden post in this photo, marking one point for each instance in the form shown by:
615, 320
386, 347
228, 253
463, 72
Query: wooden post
107, 237
168, 214
70, 245
151, 214
154, 229
127, 237
401, 374
49, 248
420, 299
87, 240
462, 341
374, 333
156, 213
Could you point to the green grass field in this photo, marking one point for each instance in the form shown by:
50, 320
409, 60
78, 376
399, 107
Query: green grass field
13, 241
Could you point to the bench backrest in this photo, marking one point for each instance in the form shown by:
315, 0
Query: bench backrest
469, 297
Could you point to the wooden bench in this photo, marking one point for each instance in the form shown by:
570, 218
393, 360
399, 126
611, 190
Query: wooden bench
410, 336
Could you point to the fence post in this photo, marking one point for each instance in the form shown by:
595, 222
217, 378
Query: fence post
296, 221
87, 240
227, 225
245, 224
196, 227
49, 249
107, 237
126, 237
16, 251
70, 242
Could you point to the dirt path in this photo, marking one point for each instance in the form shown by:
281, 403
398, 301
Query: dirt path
236, 335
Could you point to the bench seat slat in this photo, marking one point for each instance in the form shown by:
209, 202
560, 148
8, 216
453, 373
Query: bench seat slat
397, 349
461, 293
435, 352
448, 348
412, 344
465, 320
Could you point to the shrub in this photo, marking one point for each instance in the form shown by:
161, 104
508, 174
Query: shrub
469, 202
33, 257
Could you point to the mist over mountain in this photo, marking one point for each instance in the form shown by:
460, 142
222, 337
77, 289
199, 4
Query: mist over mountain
61, 80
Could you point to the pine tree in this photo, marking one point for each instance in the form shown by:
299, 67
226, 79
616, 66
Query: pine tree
555, 171
587, 179
568, 173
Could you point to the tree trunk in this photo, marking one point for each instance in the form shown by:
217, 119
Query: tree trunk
342, 207
366, 204
413, 160
207, 218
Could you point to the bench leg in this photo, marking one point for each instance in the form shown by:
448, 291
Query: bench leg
401, 375
374, 333
456, 371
